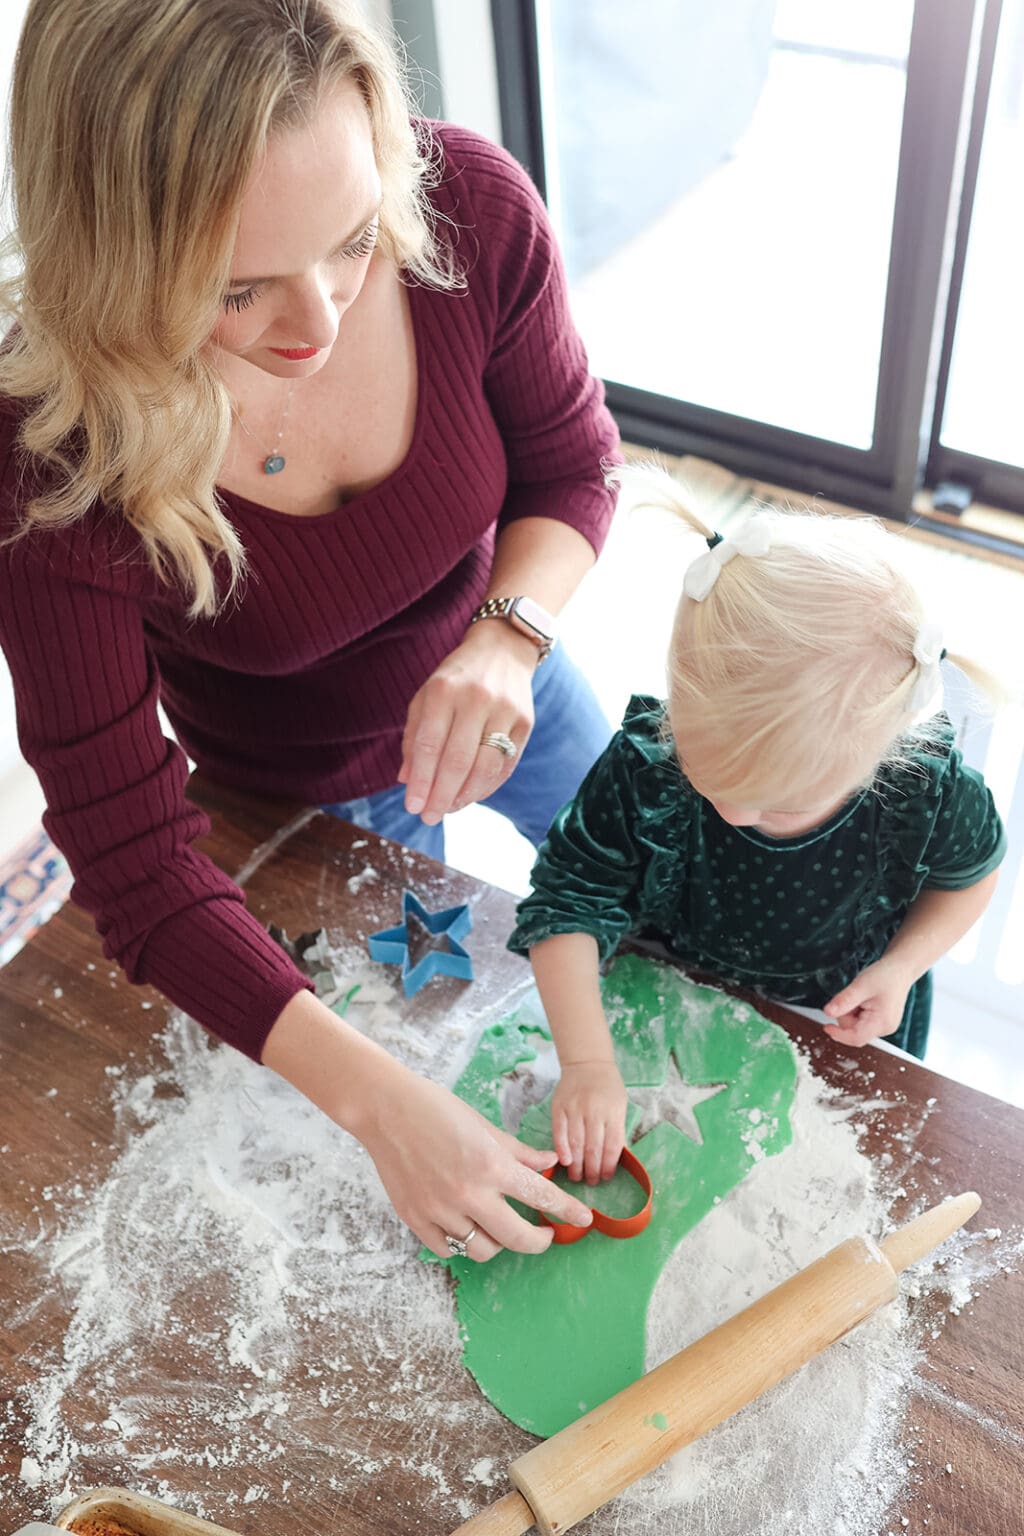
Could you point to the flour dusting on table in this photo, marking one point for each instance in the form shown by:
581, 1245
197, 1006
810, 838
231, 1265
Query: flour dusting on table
244, 1228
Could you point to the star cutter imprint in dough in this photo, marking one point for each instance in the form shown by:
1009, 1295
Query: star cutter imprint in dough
675, 1101
390, 946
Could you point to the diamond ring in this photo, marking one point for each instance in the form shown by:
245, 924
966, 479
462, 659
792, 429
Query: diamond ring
457, 1245
505, 745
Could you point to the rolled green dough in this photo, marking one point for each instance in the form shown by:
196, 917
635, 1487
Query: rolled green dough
549, 1337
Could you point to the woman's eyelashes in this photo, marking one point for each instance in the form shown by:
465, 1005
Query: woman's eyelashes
366, 242
239, 301
364, 245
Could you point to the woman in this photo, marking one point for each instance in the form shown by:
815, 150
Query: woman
293, 412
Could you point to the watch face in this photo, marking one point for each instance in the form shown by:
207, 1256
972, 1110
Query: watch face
534, 617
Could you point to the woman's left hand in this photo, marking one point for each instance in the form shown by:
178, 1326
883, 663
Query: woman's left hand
871, 1005
484, 686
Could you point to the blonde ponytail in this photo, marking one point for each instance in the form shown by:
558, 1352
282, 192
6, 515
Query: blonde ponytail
794, 669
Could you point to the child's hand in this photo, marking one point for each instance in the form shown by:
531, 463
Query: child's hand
588, 1119
871, 1005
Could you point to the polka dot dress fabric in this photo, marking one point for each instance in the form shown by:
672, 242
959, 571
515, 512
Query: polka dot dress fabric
640, 852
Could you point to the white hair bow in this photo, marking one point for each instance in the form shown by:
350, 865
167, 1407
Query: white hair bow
754, 538
928, 652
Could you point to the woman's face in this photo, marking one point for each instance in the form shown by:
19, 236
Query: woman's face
307, 232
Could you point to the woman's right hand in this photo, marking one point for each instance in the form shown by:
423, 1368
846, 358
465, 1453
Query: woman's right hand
448, 1171
445, 1168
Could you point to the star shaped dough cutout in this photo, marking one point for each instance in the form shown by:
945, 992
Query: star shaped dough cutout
675, 1102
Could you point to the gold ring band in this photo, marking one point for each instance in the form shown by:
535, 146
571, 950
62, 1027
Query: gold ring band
505, 745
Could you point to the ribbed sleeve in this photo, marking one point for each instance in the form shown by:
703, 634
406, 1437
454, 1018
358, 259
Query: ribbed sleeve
300, 687
86, 693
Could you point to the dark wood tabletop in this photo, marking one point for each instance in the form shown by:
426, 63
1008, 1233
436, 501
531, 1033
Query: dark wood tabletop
68, 1021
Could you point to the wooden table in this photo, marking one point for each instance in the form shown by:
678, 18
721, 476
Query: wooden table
65, 1019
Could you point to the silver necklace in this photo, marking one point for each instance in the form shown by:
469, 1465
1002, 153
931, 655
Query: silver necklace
274, 461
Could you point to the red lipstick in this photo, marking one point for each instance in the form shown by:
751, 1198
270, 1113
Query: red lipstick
296, 354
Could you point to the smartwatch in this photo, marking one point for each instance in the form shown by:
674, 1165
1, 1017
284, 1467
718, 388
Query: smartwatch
528, 617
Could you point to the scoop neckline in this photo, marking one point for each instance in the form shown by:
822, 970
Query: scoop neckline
345, 508
802, 839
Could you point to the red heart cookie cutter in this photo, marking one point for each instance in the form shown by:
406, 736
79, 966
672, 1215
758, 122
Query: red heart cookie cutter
611, 1226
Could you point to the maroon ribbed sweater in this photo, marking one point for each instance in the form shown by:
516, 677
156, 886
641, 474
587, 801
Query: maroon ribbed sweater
300, 688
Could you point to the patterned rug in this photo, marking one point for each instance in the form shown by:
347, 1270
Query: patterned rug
34, 882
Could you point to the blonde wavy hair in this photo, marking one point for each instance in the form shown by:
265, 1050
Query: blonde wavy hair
794, 677
135, 125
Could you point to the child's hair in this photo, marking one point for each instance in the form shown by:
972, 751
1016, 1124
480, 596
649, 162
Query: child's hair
135, 126
796, 673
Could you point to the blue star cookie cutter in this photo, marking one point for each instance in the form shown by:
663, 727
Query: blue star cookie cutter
391, 945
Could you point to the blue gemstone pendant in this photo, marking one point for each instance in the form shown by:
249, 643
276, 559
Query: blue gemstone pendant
274, 464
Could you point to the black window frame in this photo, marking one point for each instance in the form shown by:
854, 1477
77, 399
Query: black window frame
988, 480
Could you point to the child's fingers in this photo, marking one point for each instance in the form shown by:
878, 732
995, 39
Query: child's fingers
613, 1144
577, 1138
594, 1156
857, 1030
850, 998
871, 1024
560, 1136
842, 1036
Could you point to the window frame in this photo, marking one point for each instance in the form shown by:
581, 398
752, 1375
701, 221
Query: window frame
950, 49
989, 480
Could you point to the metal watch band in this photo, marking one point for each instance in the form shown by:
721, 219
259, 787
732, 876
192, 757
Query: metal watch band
506, 608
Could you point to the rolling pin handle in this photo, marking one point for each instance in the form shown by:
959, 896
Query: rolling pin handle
509, 1517
908, 1244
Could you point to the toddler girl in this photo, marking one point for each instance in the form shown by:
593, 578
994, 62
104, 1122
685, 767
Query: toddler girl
795, 819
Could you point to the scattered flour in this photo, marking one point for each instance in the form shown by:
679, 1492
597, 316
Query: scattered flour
366, 876
823, 1450
240, 1225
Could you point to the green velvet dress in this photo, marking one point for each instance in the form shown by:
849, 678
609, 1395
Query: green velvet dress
639, 852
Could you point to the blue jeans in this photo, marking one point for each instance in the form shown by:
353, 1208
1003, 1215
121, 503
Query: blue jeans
570, 731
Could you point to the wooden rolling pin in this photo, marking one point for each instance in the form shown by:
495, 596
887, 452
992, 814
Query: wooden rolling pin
566, 1478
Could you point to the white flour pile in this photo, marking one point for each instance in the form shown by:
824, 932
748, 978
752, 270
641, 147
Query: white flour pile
234, 1201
